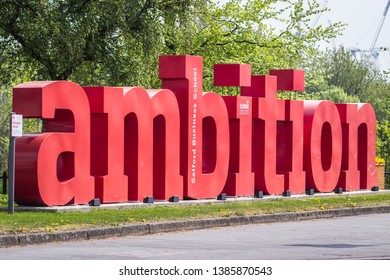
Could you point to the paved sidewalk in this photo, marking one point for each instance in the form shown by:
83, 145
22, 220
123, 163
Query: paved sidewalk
152, 228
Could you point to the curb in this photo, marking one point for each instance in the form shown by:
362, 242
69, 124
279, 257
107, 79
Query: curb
163, 227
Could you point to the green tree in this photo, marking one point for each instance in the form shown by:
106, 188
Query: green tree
352, 75
339, 76
117, 42
244, 33
92, 41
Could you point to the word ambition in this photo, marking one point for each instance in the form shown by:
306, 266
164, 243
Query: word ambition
128, 143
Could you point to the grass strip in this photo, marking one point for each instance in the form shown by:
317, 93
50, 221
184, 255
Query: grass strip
30, 222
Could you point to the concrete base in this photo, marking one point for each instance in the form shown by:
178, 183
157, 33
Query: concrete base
138, 204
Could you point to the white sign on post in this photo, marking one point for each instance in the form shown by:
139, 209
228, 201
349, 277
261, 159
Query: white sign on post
17, 126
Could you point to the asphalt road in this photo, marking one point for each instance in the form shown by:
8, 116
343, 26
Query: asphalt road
359, 237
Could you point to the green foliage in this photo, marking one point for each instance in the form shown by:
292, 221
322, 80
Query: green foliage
5, 109
337, 95
244, 33
3, 199
353, 76
383, 140
333, 93
10, 75
337, 75
383, 145
117, 42
90, 41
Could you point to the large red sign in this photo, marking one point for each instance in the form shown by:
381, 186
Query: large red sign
128, 143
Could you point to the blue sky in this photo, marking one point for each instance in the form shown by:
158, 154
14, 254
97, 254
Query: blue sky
363, 18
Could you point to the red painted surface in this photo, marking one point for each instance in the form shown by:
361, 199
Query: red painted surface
240, 181
322, 145
238, 75
53, 168
204, 131
267, 111
107, 143
167, 181
126, 144
289, 79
